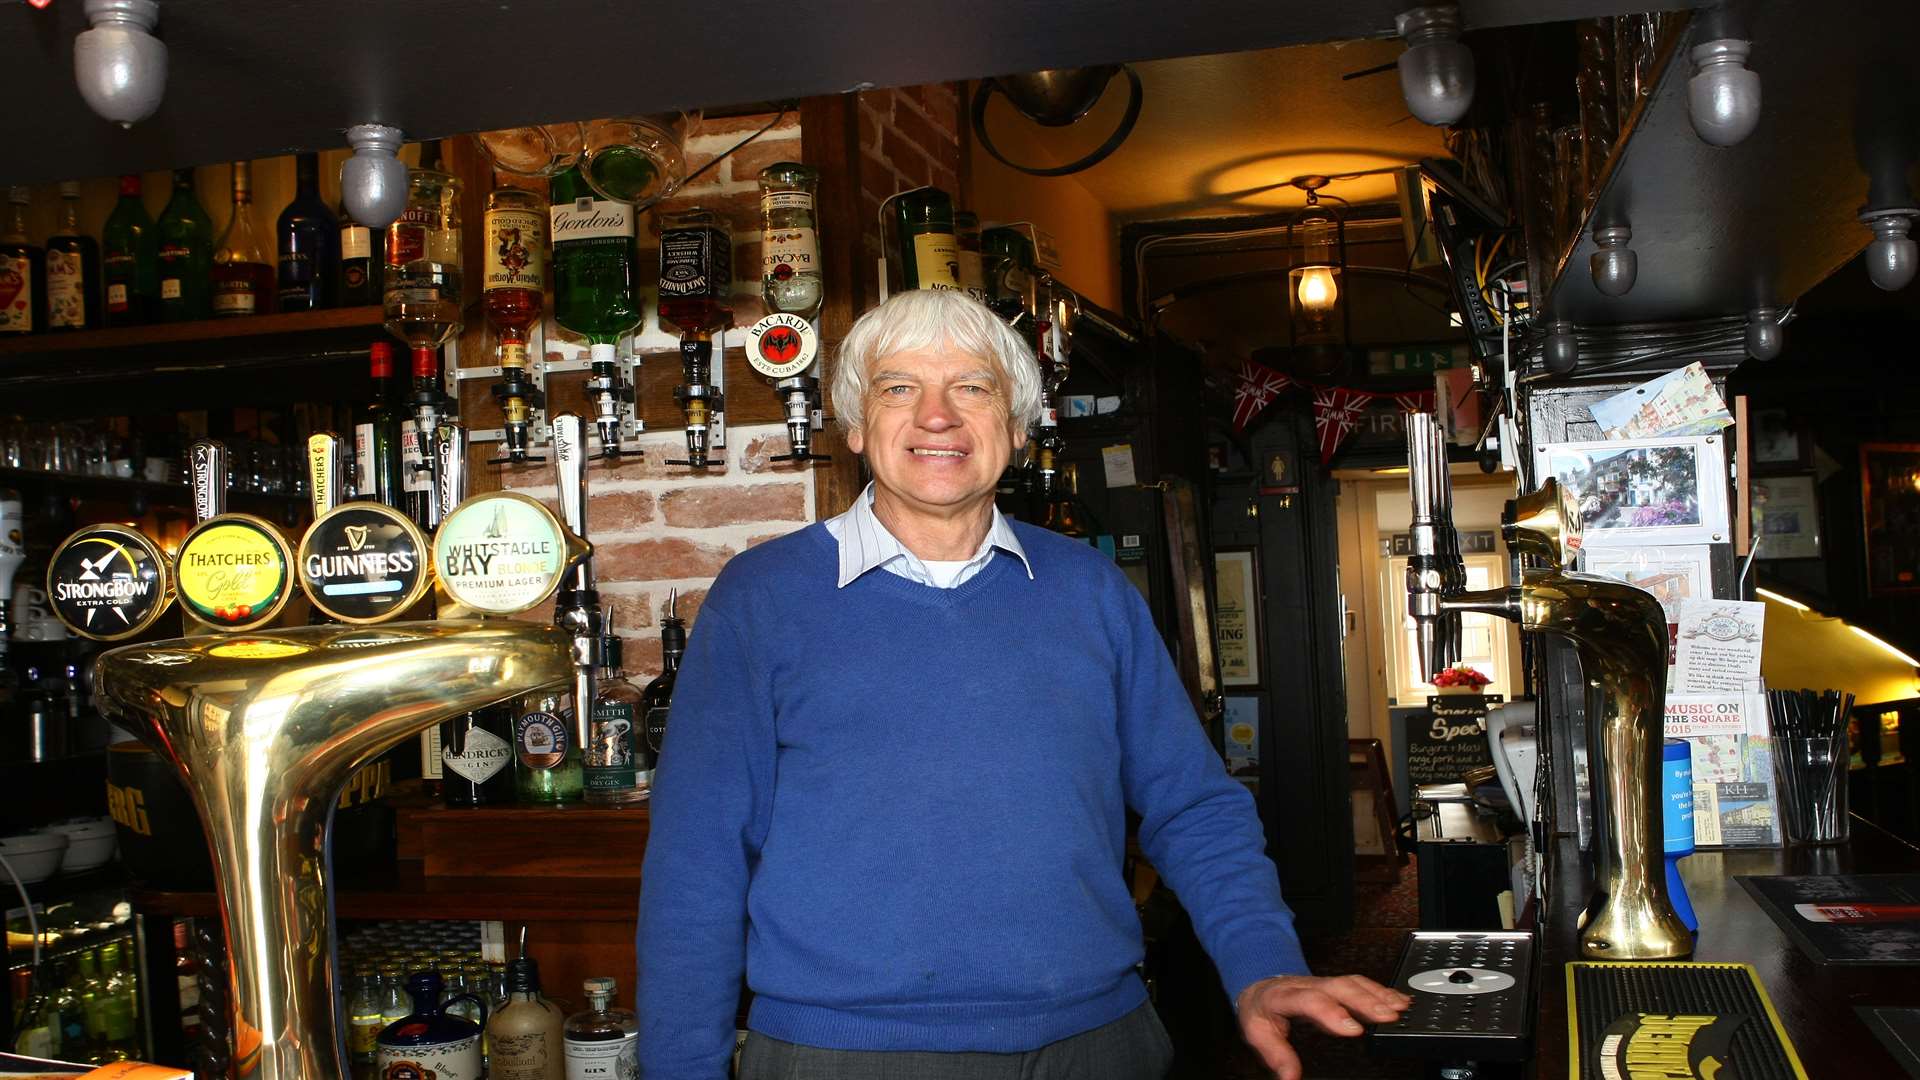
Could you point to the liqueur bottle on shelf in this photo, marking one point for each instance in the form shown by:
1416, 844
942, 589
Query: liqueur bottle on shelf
658, 696
476, 757
23, 272
595, 263
617, 769
360, 262
73, 269
242, 280
129, 256
602, 1040
696, 277
513, 281
376, 435
527, 1032
929, 249
973, 274
546, 761
309, 239
185, 254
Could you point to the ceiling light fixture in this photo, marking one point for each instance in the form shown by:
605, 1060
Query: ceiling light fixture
1058, 97
1436, 71
373, 182
1317, 319
1615, 265
120, 66
1892, 256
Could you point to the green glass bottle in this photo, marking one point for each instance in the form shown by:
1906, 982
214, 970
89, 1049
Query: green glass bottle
595, 257
546, 756
929, 248
185, 255
129, 249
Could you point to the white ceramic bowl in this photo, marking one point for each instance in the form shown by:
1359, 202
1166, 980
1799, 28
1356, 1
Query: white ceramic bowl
91, 844
34, 856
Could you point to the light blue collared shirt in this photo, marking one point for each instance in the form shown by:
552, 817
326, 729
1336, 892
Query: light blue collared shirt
865, 543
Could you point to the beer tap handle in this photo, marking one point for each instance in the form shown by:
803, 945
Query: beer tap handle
578, 612
570, 470
450, 464
326, 472
207, 460
1426, 583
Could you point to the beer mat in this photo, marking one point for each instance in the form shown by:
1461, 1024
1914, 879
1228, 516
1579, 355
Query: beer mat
1898, 1031
1632, 1019
1845, 918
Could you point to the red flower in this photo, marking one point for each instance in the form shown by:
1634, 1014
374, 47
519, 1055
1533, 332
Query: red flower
1460, 676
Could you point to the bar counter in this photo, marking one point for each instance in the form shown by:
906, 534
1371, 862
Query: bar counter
1815, 1001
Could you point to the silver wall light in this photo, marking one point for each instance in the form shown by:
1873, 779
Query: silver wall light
1562, 352
1891, 257
1614, 265
1765, 337
1723, 97
120, 66
1436, 71
373, 182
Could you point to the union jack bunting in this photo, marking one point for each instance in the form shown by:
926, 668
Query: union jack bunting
1336, 415
1415, 401
1253, 390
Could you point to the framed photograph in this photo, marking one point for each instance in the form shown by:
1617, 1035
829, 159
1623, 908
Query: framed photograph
1236, 615
1671, 574
1644, 492
1890, 506
1777, 440
1786, 510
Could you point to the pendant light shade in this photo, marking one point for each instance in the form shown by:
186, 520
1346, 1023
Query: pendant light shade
120, 66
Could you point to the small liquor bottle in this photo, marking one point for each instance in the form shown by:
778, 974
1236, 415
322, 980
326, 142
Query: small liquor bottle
929, 249
360, 262
513, 280
602, 1040
432, 1040
527, 1033
309, 238
613, 773
242, 280
73, 269
130, 254
376, 435
546, 761
696, 270
23, 273
658, 696
185, 254
476, 755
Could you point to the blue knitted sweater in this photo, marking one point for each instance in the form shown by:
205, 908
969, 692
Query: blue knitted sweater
899, 812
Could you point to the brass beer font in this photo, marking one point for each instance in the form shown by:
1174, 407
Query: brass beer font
265, 728
1620, 634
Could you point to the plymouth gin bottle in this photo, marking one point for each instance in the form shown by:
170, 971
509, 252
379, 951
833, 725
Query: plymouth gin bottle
73, 269
546, 761
23, 273
129, 255
602, 1042
242, 280
185, 255
613, 774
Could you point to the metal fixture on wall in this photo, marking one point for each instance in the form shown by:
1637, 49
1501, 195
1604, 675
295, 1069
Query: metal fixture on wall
1317, 311
120, 66
1723, 97
1436, 71
1058, 97
1765, 338
1891, 257
373, 182
1561, 352
1614, 265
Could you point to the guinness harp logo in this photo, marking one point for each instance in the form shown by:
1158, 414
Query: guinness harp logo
356, 536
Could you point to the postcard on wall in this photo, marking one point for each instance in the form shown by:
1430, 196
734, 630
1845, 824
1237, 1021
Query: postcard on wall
1717, 648
1641, 492
1681, 402
1788, 513
1672, 573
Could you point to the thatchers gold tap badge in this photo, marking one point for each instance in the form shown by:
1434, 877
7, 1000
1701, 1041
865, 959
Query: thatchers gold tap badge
501, 553
364, 563
108, 583
234, 572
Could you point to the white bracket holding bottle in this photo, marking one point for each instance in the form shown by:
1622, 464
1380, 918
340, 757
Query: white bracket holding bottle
717, 422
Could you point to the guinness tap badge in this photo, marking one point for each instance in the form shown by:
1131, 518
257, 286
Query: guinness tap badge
502, 553
782, 345
364, 563
108, 583
234, 572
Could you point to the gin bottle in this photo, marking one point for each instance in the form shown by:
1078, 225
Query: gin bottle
602, 1041
546, 762
185, 254
618, 767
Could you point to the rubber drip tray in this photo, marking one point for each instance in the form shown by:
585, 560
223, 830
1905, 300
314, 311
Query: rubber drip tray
1673, 1020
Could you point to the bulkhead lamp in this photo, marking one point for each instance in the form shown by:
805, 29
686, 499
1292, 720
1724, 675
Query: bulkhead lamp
120, 66
1436, 71
373, 182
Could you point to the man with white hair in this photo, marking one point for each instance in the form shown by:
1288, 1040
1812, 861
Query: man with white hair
894, 793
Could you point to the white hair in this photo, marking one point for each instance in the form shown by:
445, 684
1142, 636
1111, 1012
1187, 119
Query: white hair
935, 319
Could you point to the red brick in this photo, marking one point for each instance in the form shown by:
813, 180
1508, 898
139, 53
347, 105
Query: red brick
532, 474
619, 511
640, 655
660, 559
876, 178
753, 457
945, 179
907, 159
631, 611
910, 122
707, 507
738, 125
747, 162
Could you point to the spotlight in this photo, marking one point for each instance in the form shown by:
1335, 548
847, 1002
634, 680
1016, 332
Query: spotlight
120, 65
1765, 338
1614, 265
373, 182
1891, 258
1723, 97
1436, 71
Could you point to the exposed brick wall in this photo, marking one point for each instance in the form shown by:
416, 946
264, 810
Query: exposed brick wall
910, 137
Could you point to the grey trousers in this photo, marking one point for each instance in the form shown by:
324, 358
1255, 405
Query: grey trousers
1134, 1047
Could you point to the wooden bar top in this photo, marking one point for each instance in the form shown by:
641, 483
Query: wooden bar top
1815, 1001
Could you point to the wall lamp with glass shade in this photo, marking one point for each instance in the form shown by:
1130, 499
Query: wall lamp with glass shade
1316, 311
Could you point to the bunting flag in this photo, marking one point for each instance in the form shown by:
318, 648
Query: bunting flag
1336, 415
1415, 401
1254, 389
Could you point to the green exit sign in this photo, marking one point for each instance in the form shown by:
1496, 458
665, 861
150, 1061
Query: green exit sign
1416, 359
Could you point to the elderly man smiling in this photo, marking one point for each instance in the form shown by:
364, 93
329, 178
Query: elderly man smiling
893, 796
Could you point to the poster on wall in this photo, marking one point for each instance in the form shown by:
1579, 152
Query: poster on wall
1787, 517
1236, 615
1640, 492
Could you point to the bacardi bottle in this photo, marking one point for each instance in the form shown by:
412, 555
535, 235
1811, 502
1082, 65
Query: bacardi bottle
242, 280
309, 238
376, 435
790, 278
185, 255
929, 248
130, 258
73, 269
602, 1041
23, 273
514, 280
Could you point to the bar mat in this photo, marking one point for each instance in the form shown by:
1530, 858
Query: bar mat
1674, 1020
1845, 918
1899, 1032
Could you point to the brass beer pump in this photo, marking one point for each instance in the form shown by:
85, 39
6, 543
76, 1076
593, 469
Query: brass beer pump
1620, 635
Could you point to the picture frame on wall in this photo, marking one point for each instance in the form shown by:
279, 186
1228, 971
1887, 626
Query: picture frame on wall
1644, 492
1777, 441
1236, 622
1890, 510
1786, 514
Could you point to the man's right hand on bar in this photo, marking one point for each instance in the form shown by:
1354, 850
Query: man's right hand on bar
1339, 1005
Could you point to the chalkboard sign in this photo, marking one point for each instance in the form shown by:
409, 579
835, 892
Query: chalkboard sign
1449, 740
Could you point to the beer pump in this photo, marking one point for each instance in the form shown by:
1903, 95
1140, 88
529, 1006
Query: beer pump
1619, 632
578, 611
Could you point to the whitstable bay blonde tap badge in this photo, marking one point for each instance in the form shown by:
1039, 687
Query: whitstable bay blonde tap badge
502, 553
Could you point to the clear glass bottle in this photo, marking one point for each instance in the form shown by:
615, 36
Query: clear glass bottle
130, 259
546, 762
309, 241
185, 254
527, 1033
602, 1040
929, 250
70, 1009
23, 272
73, 269
790, 274
242, 280
394, 1005
696, 270
423, 278
618, 769
365, 1015
36, 1022
658, 696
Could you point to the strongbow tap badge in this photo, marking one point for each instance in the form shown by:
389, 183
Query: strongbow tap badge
108, 583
